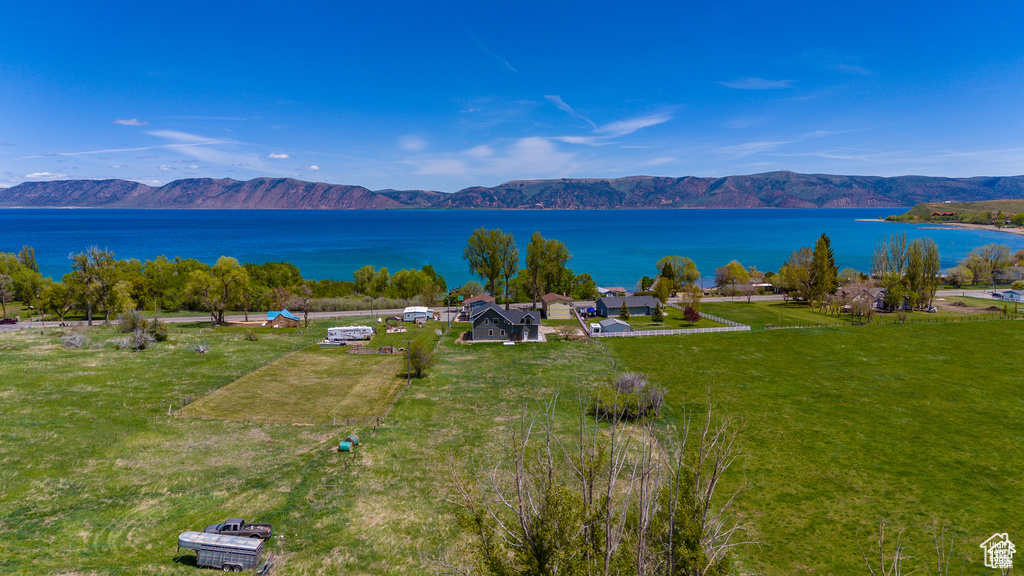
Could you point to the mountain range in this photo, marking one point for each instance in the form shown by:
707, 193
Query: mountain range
768, 190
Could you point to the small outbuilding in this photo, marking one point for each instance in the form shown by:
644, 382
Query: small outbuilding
610, 325
1014, 295
637, 305
414, 313
556, 306
282, 319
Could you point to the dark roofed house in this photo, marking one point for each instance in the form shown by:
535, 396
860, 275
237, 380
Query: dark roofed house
492, 322
282, 319
638, 305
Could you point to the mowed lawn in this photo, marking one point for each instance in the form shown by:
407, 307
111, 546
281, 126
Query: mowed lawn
913, 424
317, 385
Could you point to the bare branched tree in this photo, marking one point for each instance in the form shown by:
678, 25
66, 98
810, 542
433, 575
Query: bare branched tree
605, 499
888, 563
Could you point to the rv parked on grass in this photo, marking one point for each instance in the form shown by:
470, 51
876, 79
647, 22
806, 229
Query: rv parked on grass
340, 333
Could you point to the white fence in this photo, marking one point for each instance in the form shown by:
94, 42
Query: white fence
730, 326
678, 332
715, 318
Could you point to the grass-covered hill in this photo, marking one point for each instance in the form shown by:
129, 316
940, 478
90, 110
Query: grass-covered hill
963, 211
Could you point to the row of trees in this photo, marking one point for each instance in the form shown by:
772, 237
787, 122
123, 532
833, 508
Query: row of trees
985, 265
99, 284
494, 257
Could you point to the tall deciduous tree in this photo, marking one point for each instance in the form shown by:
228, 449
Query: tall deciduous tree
680, 269
486, 252
731, 274
545, 263
219, 287
6, 292
95, 275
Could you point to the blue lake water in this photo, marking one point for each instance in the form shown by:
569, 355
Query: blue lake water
617, 247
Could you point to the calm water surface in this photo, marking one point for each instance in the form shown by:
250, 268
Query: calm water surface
617, 247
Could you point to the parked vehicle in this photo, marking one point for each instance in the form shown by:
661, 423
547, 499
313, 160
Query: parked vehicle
8, 321
340, 333
239, 527
229, 553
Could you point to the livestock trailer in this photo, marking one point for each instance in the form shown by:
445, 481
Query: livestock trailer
225, 552
349, 333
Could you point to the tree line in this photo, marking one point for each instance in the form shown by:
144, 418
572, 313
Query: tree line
103, 286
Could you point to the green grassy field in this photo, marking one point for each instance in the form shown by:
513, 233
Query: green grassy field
760, 313
845, 425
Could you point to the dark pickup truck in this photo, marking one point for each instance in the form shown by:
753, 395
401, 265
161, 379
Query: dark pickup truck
238, 527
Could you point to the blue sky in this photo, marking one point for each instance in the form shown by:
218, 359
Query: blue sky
445, 95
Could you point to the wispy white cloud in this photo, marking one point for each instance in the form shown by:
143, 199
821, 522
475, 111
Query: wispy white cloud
411, 143
44, 176
483, 48
313, 167
165, 167
851, 69
623, 127
119, 166
131, 122
754, 83
748, 148
583, 140
184, 137
278, 156
532, 157
561, 105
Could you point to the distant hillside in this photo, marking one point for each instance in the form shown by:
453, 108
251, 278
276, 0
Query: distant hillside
769, 190
925, 210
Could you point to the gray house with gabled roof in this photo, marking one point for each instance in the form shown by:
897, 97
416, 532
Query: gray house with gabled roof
638, 305
492, 322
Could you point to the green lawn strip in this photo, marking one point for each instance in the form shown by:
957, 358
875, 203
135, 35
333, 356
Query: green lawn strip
907, 423
673, 321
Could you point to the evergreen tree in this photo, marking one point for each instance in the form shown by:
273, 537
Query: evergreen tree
824, 272
624, 311
658, 315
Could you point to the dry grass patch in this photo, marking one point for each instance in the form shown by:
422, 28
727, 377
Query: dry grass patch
310, 386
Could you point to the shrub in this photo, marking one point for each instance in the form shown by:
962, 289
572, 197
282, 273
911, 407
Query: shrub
1017, 285
568, 332
200, 348
137, 340
631, 396
250, 335
158, 330
419, 357
74, 341
131, 321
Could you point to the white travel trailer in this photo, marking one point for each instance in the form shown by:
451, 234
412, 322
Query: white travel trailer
339, 333
412, 313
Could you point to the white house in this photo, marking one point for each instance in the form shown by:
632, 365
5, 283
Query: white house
413, 312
